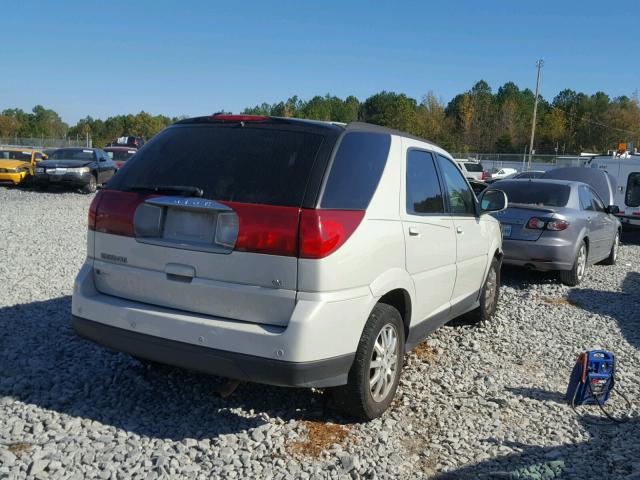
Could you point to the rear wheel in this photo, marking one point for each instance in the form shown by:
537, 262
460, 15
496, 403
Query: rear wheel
374, 375
489, 295
613, 254
574, 276
92, 186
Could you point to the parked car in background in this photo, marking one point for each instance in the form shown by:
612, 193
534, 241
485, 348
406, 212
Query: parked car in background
557, 225
603, 183
472, 169
527, 174
17, 164
500, 173
626, 172
120, 154
83, 168
127, 141
288, 252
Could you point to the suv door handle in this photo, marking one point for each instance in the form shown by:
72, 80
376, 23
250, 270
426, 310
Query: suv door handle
414, 232
459, 230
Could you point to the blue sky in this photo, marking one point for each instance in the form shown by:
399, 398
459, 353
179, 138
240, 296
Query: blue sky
197, 57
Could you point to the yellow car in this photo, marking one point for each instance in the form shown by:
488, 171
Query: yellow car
17, 164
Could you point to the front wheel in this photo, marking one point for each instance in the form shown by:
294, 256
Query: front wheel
613, 254
92, 186
573, 277
375, 373
489, 294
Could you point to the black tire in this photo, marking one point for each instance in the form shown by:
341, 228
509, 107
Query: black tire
489, 295
42, 186
92, 186
356, 398
573, 277
613, 254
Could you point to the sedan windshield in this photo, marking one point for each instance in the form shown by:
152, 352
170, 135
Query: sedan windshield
72, 154
15, 155
536, 193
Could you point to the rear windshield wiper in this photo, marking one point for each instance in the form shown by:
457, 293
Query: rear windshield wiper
187, 190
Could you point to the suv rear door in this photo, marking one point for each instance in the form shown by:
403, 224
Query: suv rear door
253, 177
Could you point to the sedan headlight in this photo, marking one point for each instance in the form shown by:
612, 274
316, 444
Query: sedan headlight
79, 170
16, 170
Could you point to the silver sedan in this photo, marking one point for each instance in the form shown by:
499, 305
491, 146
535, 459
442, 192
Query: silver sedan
557, 225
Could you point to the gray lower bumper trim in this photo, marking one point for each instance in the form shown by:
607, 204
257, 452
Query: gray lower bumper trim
320, 373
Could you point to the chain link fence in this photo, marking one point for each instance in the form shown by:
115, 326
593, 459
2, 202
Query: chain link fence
520, 161
41, 142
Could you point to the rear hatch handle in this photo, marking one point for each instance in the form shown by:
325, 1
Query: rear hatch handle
178, 272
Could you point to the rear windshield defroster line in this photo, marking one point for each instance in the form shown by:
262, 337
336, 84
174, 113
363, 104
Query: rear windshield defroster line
250, 165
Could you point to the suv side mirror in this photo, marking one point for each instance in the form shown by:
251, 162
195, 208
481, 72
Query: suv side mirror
612, 209
492, 200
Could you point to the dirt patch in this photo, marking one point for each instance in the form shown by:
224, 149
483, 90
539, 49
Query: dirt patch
562, 301
19, 448
425, 353
320, 436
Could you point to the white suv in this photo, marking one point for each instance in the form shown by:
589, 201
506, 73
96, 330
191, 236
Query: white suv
288, 252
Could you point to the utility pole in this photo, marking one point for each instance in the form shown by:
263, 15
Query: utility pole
539, 64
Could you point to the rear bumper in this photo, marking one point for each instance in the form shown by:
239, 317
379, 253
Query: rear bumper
69, 179
544, 254
214, 361
316, 347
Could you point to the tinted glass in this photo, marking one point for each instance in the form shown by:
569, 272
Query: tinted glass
356, 170
536, 193
598, 206
15, 155
473, 166
72, 154
632, 197
460, 196
424, 194
585, 198
264, 165
120, 155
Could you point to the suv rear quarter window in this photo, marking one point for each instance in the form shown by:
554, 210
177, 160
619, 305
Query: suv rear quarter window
356, 170
424, 194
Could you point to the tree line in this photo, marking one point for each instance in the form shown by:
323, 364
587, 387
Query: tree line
478, 120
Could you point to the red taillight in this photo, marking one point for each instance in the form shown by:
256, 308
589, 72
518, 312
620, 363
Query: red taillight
119, 164
535, 223
114, 212
239, 118
323, 231
557, 225
484, 176
93, 210
266, 229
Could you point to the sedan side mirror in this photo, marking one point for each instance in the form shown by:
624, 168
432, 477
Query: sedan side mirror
613, 209
492, 200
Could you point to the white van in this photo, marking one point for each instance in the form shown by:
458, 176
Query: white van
288, 252
626, 171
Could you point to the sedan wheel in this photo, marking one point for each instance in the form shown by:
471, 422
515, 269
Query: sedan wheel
613, 254
574, 276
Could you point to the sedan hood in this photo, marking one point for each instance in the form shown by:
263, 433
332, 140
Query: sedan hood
64, 163
14, 164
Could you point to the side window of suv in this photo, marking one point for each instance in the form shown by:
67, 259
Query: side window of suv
585, 198
459, 194
424, 194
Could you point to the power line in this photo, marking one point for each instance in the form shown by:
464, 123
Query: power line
583, 119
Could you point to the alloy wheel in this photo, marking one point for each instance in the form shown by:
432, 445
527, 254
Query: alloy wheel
383, 367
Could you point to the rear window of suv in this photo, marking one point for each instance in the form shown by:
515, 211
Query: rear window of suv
473, 166
229, 163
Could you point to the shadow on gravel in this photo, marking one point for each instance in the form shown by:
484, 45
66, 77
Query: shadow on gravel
42, 362
610, 453
622, 306
538, 394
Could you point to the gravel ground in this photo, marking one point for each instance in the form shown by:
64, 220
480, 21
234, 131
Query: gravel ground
474, 401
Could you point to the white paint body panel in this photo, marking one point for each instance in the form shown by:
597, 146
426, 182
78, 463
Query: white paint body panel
321, 306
